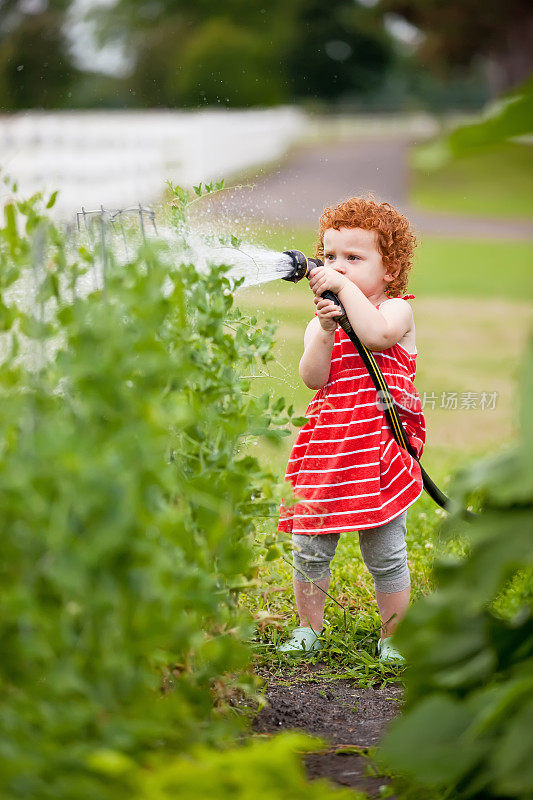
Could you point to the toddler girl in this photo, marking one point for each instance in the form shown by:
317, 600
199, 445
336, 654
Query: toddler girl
345, 466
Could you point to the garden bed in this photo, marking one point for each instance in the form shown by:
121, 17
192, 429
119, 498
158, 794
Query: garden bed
349, 718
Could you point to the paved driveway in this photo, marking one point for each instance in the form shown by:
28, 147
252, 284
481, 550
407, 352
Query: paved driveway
315, 176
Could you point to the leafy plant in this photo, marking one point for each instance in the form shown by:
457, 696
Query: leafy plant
511, 117
268, 769
469, 711
128, 507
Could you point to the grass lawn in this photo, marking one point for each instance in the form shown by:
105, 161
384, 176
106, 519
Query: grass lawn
471, 268
470, 338
494, 183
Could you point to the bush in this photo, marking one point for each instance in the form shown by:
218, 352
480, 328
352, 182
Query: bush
127, 508
270, 770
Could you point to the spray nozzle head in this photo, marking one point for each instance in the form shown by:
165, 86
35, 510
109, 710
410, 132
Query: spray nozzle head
302, 265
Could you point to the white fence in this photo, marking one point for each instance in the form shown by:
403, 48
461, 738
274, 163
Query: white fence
119, 158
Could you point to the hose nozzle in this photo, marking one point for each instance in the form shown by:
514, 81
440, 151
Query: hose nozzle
302, 265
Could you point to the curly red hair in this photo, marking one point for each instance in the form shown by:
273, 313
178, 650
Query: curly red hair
395, 238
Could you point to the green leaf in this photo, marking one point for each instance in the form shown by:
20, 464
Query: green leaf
49, 287
512, 764
52, 199
427, 742
7, 317
273, 553
511, 117
299, 421
11, 226
33, 328
110, 762
264, 401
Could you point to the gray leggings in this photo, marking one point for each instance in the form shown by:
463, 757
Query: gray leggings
383, 549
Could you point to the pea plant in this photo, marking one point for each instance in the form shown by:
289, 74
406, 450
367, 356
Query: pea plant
128, 506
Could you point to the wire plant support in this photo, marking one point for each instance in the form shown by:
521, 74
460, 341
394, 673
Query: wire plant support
116, 215
96, 222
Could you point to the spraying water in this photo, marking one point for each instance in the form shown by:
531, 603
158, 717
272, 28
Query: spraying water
110, 231
106, 230
203, 247
251, 263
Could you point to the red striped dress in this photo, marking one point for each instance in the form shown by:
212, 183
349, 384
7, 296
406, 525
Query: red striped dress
345, 465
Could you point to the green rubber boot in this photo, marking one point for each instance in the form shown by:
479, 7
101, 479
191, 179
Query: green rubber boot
388, 653
302, 642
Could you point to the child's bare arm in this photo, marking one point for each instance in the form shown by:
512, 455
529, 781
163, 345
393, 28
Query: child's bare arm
398, 315
378, 330
319, 336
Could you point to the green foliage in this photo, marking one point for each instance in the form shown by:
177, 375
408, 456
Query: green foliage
242, 54
270, 770
225, 63
239, 53
194, 54
469, 707
128, 507
511, 117
182, 199
340, 49
36, 69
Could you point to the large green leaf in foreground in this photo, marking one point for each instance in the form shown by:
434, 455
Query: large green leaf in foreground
469, 712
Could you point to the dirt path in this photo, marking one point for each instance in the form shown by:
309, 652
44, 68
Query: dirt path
314, 176
347, 717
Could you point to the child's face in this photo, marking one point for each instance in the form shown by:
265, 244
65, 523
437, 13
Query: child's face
354, 252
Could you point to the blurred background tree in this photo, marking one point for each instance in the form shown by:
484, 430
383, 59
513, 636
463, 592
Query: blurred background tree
341, 50
202, 53
222, 62
350, 54
497, 34
36, 69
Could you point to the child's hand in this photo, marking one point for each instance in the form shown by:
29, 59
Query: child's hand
327, 310
323, 278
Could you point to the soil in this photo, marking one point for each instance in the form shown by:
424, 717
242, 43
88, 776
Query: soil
345, 716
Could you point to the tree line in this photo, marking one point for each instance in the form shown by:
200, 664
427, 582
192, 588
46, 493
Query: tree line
383, 55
